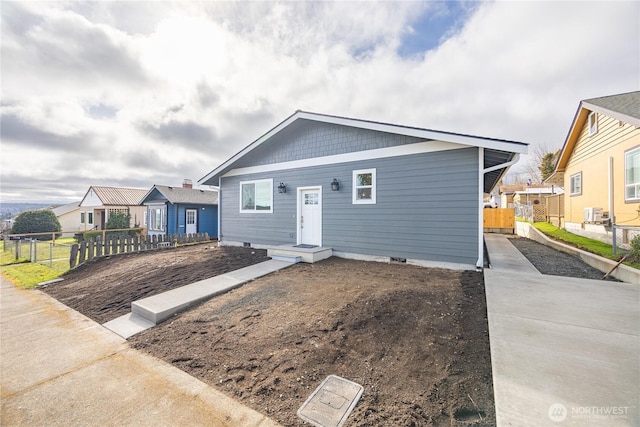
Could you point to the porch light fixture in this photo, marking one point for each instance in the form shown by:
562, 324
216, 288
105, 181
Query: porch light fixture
335, 185
282, 188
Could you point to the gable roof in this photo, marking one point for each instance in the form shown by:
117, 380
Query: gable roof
117, 196
501, 151
61, 210
178, 195
624, 107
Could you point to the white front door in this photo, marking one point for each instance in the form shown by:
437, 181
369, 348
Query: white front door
192, 221
310, 222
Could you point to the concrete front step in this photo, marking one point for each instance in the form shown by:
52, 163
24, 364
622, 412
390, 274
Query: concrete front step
308, 255
150, 311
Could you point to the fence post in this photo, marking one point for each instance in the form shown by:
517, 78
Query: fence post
74, 255
34, 247
614, 243
91, 245
83, 248
51, 254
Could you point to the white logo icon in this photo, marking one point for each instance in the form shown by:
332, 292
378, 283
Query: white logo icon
557, 412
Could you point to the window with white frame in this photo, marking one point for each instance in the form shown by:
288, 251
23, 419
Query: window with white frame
364, 186
575, 184
90, 218
593, 123
256, 196
632, 175
156, 219
82, 216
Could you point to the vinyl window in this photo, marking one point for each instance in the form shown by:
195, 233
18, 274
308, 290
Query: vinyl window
364, 186
156, 219
575, 184
593, 123
632, 175
256, 196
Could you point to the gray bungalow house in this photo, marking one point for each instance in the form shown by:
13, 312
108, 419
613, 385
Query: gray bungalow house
367, 190
180, 210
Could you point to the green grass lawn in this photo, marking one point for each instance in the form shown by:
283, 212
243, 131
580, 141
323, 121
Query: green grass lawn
28, 275
7, 258
584, 243
590, 245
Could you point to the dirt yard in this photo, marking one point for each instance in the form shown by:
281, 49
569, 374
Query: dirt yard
105, 288
415, 338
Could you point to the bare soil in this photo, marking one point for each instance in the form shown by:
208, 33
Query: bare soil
104, 288
415, 338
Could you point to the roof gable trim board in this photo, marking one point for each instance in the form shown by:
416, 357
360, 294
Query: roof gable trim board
379, 153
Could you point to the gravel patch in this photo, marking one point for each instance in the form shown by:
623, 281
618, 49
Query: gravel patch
550, 261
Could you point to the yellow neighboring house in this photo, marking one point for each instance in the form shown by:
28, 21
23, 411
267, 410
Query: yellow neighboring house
600, 166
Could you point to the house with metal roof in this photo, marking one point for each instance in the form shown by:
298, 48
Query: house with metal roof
99, 202
600, 166
362, 189
68, 217
181, 210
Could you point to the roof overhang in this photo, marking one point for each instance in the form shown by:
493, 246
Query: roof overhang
491, 144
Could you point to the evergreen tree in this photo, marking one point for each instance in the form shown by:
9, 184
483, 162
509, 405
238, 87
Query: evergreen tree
40, 221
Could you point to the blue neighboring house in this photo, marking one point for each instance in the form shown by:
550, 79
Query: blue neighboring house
181, 210
364, 189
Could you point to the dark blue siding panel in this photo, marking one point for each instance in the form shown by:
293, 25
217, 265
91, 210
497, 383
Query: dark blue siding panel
207, 218
427, 208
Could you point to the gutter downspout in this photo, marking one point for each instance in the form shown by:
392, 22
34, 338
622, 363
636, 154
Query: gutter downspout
611, 187
481, 173
219, 210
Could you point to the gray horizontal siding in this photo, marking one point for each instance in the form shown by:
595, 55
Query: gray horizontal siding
427, 208
306, 139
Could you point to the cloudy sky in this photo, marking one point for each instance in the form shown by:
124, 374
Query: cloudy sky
140, 93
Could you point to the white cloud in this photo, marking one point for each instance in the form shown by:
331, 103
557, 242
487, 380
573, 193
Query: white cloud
96, 85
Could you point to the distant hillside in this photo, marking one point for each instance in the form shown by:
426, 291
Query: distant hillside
9, 210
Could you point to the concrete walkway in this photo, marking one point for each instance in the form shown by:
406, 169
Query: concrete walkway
148, 312
564, 351
59, 368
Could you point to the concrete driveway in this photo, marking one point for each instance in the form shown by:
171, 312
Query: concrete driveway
564, 351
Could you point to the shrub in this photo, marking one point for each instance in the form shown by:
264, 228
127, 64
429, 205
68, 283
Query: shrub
118, 220
41, 221
634, 253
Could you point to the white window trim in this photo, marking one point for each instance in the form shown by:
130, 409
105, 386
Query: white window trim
355, 199
90, 217
626, 184
571, 192
592, 123
256, 181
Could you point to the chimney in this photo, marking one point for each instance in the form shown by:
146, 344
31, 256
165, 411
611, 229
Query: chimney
187, 183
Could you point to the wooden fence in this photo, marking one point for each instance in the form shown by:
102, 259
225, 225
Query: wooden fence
501, 220
121, 244
555, 209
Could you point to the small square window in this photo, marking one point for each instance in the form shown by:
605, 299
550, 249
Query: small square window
575, 184
593, 123
364, 186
